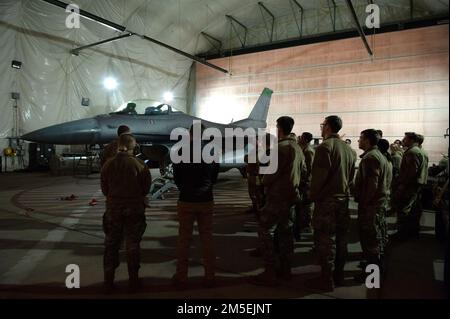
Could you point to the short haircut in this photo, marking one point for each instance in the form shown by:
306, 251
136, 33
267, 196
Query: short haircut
412, 136
126, 142
285, 123
372, 135
348, 141
307, 136
395, 147
334, 122
380, 132
383, 145
398, 142
420, 139
122, 129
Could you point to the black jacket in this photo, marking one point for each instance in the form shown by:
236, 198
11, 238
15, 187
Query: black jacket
195, 181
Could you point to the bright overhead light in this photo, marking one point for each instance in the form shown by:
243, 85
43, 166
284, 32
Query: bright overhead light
168, 96
110, 83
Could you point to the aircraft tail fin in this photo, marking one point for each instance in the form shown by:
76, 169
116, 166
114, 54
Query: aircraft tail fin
258, 115
261, 108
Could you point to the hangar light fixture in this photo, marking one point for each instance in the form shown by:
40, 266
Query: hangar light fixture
110, 83
168, 97
16, 64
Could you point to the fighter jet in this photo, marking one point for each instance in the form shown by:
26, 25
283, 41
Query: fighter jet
151, 129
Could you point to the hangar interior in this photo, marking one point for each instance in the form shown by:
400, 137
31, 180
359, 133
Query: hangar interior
211, 60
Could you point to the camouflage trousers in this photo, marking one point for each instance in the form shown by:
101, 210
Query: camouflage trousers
303, 214
275, 219
409, 211
188, 214
123, 221
372, 231
256, 194
331, 218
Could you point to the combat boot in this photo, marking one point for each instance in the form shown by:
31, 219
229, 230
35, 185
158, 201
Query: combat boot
267, 278
108, 284
284, 272
338, 278
134, 283
323, 283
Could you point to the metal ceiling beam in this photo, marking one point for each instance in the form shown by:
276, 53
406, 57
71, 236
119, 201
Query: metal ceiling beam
333, 16
232, 19
121, 28
76, 51
263, 7
332, 36
300, 27
211, 40
358, 26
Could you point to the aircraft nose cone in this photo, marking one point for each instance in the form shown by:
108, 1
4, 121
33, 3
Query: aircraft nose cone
84, 131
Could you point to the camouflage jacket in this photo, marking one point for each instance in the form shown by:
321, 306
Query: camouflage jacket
284, 183
125, 178
308, 152
372, 182
333, 169
413, 170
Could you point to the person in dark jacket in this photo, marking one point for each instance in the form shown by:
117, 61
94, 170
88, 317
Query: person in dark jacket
196, 202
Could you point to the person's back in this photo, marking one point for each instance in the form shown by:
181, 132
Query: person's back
195, 181
333, 169
284, 183
126, 178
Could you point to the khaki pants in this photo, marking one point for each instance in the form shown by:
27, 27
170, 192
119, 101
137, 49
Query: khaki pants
188, 213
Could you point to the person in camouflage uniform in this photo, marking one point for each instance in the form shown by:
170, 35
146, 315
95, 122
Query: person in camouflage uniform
332, 173
412, 177
371, 189
256, 188
349, 143
125, 181
303, 210
281, 190
383, 146
111, 149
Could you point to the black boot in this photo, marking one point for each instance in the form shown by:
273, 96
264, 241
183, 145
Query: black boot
134, 281
108, 284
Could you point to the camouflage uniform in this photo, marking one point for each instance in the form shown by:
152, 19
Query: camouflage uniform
396, 162
332, 173
303, 210
255, 187
125, 181
281, 189
371, 191
413, 175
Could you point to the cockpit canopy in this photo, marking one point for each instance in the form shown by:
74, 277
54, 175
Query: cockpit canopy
161, 109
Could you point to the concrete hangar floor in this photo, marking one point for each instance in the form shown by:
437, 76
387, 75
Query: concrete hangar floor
40, 234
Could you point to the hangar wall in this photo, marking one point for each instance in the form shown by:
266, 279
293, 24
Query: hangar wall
405, 87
